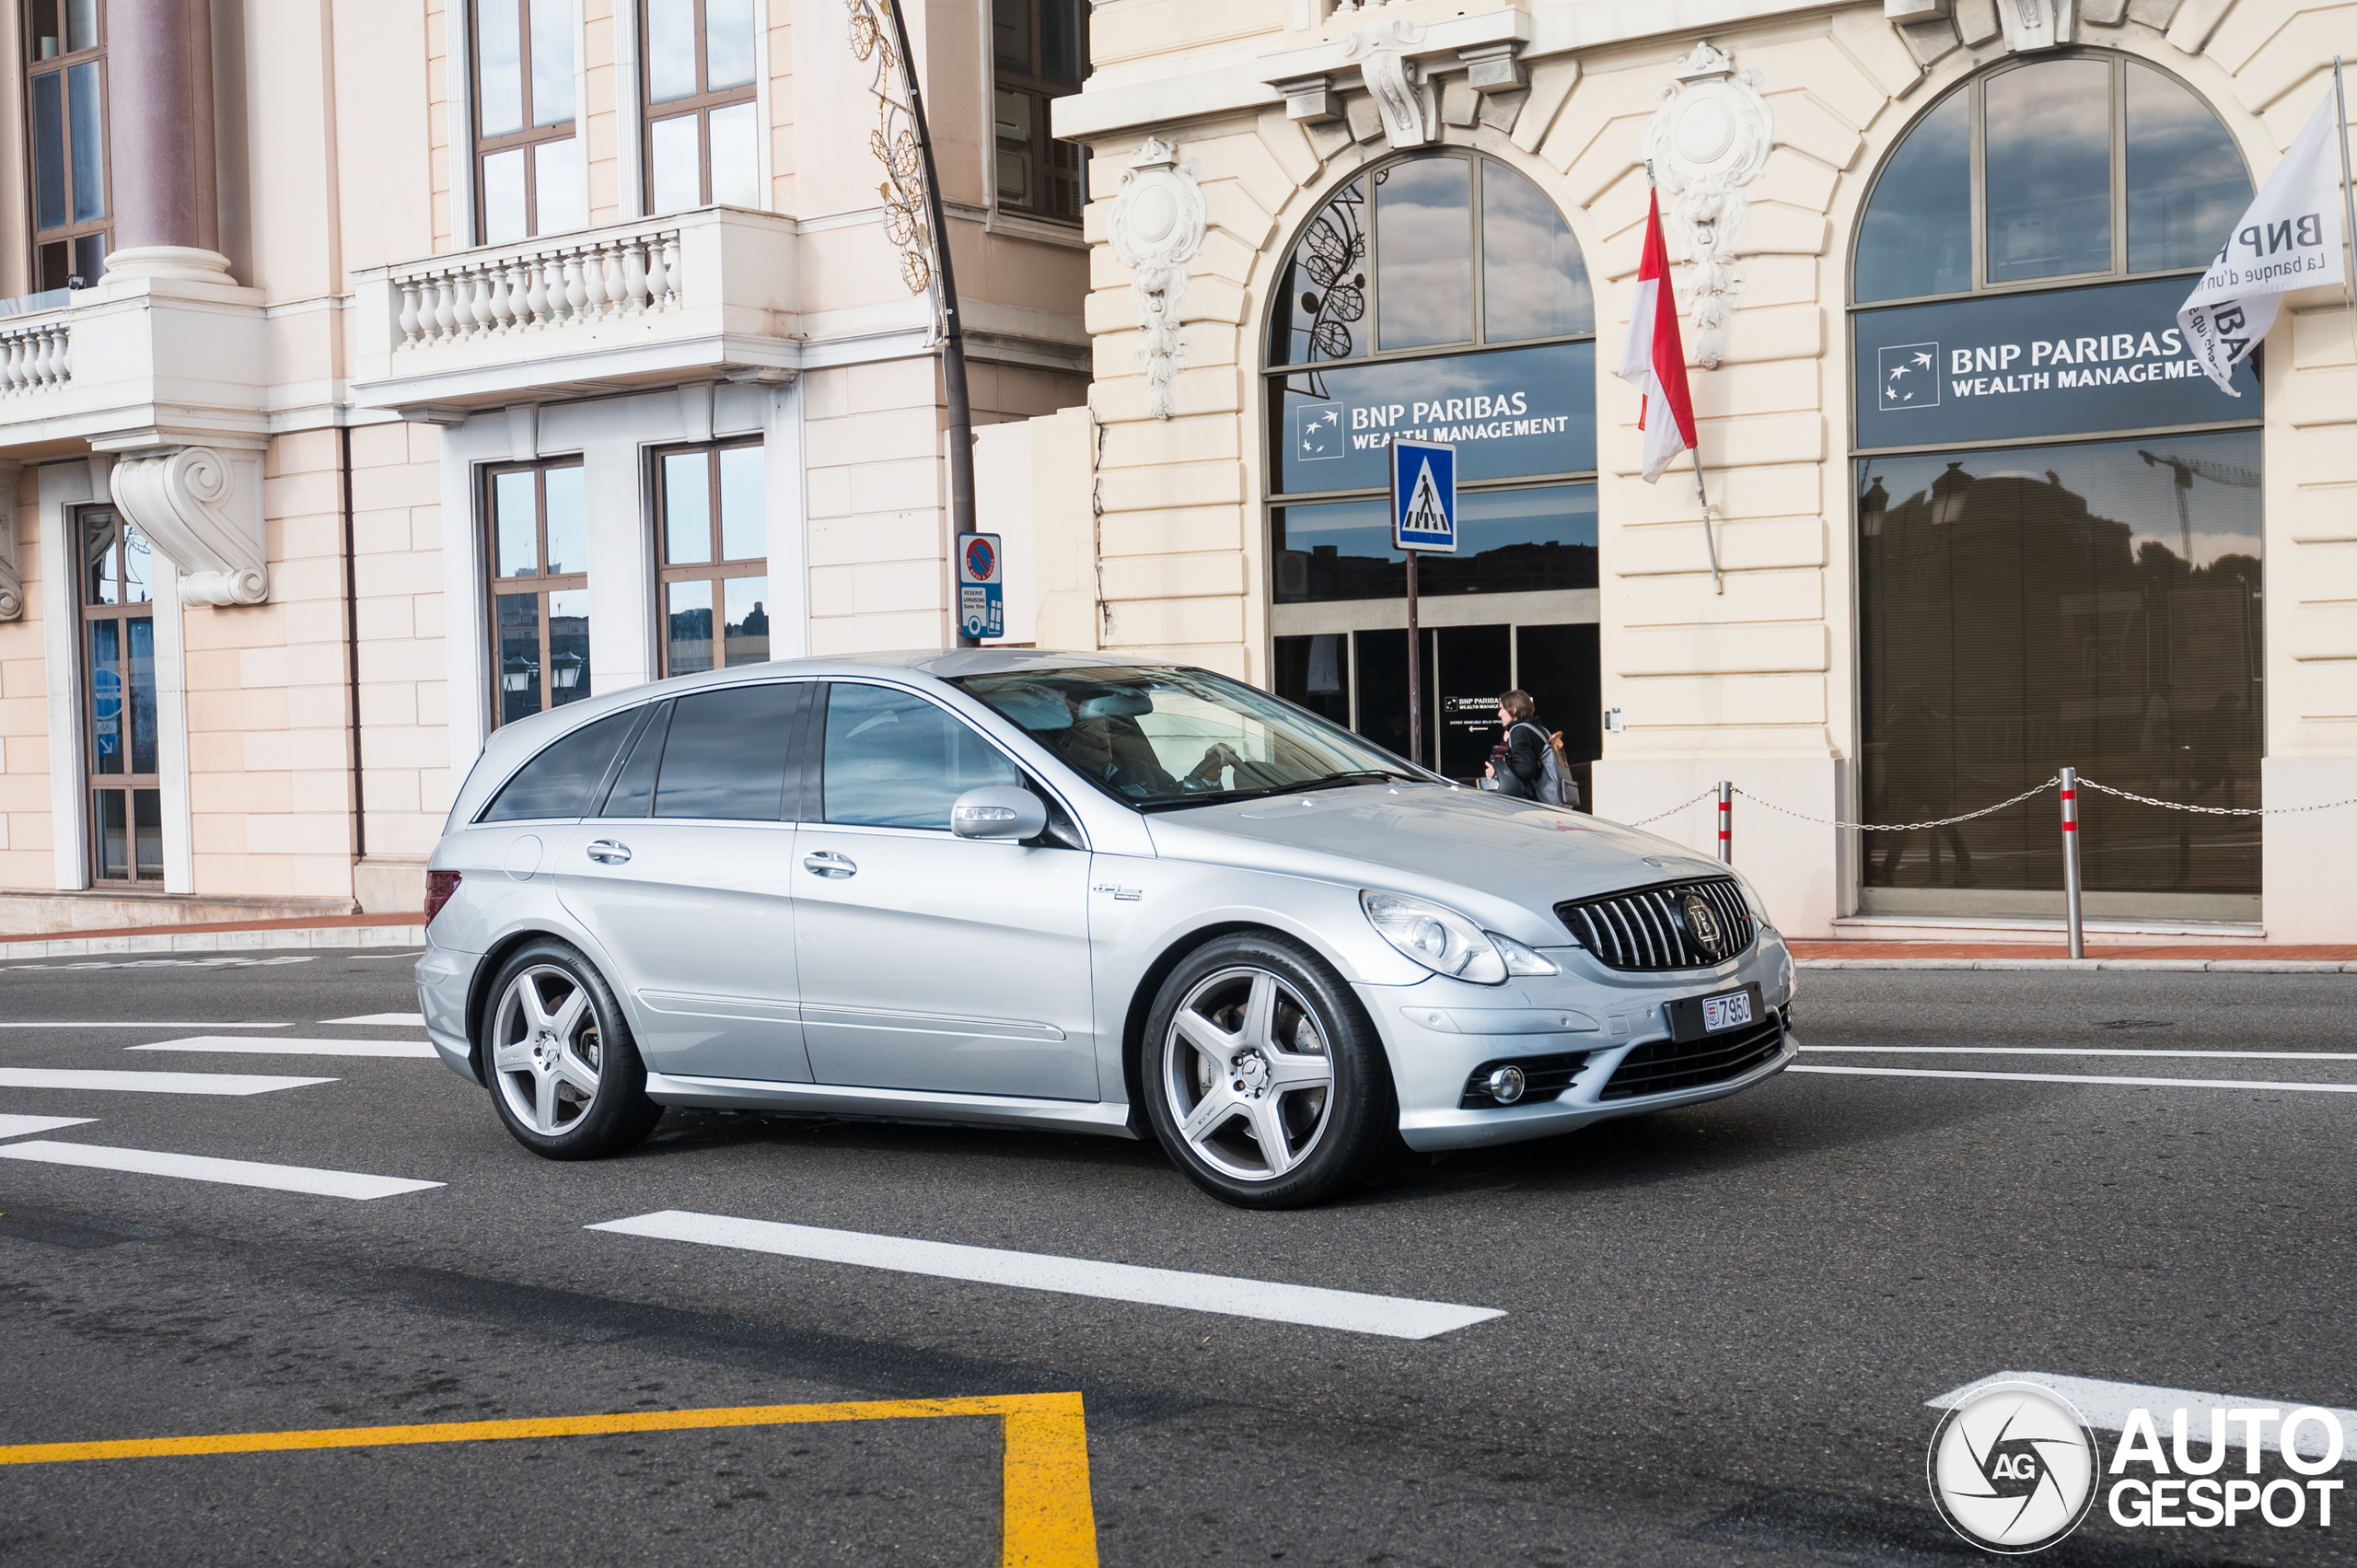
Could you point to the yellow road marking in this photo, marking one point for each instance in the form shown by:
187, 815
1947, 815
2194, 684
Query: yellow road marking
1047, 1520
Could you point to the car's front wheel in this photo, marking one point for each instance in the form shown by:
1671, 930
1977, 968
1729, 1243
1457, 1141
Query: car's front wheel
1263, 1079
564, 1071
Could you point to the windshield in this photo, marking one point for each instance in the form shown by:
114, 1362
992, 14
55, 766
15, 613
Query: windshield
1161, 737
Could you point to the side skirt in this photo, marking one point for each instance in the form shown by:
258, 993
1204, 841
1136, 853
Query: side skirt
1111, 1119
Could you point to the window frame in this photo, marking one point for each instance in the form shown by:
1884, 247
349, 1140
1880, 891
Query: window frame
541, 586
531, 137
700, 103
128, 784
718, 569
1976, 176
1040, 89
61, 66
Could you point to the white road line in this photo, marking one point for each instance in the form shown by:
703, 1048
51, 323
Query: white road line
2076, 1050
2106, 1407
2086, 1078
200, 1167
17, 1126
148, 1024
150, 1082
1397, 1316
414, 1020
287, 1045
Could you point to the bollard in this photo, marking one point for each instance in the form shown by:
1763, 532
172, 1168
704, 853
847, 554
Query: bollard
2071, 862
1727, 822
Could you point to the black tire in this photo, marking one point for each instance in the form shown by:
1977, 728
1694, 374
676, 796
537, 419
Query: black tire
1335, 1133
536, 1063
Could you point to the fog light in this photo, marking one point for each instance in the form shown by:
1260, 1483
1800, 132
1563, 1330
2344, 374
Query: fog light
1505, 1085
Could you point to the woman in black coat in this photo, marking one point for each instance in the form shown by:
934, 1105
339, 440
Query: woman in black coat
1524, 762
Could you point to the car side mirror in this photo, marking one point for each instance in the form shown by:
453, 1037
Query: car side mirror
998, 812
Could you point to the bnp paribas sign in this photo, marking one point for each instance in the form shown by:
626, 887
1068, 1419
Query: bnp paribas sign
2074, 362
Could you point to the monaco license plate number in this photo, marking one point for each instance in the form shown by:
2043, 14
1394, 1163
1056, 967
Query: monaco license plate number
1729, 1012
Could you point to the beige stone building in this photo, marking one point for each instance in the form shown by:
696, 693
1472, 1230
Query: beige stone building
1978, 514
375, 371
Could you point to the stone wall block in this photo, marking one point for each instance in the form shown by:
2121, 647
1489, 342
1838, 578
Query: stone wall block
2103, 13
1500, 110
1550, 83
1748, 388
1186, 484
1288, 144
1229, 205
1829, 71
1774, 228
2154, 14
1930, 42
1715, 700
2325, 689
1795, 179
1207, 620
1779, 280
1365, 120
1459, 104
1215, 389
1173, 530
1154, 442
1878, 50
1214, 299
1688, 598
1329, 138
2195, 21
1791, 492
1779, 331
2293, 60
1804, 121
1207, 573
2324, 632
1246, 160
1109, 311
2324, 514
2326, 574
1976, 21
1222, 256
1667, 549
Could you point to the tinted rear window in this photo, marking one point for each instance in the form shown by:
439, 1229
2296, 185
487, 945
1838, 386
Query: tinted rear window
727, 754
559, 781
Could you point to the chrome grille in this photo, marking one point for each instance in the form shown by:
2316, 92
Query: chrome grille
1646, 929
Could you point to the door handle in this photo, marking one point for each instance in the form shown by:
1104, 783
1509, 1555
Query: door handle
827, 863
606, 851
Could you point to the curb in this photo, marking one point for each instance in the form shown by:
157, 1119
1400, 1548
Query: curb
2166, 966
410, 935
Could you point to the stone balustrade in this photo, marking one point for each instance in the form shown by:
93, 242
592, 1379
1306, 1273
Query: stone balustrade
537, 287
33, 356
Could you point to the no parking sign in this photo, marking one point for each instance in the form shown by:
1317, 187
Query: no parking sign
981, 611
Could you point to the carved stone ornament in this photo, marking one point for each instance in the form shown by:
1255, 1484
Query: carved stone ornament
12, 582
202, 510
1393, 80
2037, 24
1708, 139
1155, 229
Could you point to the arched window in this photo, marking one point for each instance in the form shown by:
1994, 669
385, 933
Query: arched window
2078, 167
1441, 296
2058, 516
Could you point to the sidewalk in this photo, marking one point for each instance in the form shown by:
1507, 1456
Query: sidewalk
329, 931
2241, 958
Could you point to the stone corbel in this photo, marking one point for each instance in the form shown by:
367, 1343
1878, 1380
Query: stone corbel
1155, 229
1395, 80
201, 508
12, 581
1708, 139
2032, 25
1492, 68
1311, 99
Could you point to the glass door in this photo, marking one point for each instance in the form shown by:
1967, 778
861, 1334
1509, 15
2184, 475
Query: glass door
119, 701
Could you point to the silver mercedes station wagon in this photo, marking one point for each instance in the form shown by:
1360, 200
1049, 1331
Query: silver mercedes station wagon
1073, 892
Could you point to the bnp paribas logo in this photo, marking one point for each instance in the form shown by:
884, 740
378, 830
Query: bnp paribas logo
1317, 432
1909, 373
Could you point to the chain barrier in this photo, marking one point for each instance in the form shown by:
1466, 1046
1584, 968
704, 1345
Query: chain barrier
2218, 810
1897, 826
1675, 809
2001, 806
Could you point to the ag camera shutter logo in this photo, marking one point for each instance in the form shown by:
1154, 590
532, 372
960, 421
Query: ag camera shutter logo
2014, 1468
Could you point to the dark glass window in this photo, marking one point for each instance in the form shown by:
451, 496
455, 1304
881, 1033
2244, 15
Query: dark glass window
2185, 181
726, 757
702, 125
65, 99
1423, 259
2049, 181
529, 174
1916, 237
1534, 283
538, 518
118, 713
633, 794
1508, 541
560, 780
895, 760
1039, 52
713, 523
1315, 673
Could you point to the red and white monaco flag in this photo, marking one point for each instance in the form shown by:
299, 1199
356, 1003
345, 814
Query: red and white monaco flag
1654, 361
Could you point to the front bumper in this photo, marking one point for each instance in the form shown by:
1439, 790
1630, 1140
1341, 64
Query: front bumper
1438, 1032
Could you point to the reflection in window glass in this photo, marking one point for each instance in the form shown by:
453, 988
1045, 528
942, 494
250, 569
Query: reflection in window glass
2048, 135
563, 201
518, 524
48, 150
671, 50
1512, 412
138, 568
726, 757
1508, 541
499, 57
101, 574
1315, 673
1424, 251
2095, 604
89, 143
140, 693
1064, 40
728, 43
147, 832
895, 760
568, 520
557, 783
747, 620
1013, 123
568, 646
2185, 181
551, 62
1916, 236
1323, 295
106, 696
1011, 34
687, 620
677, 179
519, 657
503, 196
634, 791
687, 508
1534, 283
744, 522
736, 157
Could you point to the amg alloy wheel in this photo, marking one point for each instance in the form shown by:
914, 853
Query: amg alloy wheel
564, 1072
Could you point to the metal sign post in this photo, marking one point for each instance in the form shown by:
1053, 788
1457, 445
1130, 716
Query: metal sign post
1424, 518
981, 608
1727, 822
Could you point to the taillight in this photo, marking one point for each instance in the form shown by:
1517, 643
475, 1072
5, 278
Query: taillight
439, 886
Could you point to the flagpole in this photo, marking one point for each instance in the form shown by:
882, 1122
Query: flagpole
1709, 541
2348, 198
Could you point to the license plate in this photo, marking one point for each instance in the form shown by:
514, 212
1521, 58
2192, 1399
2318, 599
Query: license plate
1728, 1012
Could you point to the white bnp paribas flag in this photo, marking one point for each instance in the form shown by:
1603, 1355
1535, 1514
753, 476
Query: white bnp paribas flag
2290, 238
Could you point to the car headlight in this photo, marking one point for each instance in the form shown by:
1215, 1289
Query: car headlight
1447, 943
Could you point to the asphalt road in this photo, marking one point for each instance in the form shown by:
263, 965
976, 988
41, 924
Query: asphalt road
1720, 1324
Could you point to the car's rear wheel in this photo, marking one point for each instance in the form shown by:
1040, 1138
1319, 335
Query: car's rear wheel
564, 1072
1264, 1080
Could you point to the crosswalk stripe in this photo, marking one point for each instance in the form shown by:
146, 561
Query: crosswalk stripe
17, 1126
414, 1020
287, 1045
2085, 1078
1397, 1316
2083, 1050
150, 1082
201, 1167
146, 1024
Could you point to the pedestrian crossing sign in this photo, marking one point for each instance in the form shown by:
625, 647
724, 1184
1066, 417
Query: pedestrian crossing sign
1424, 497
